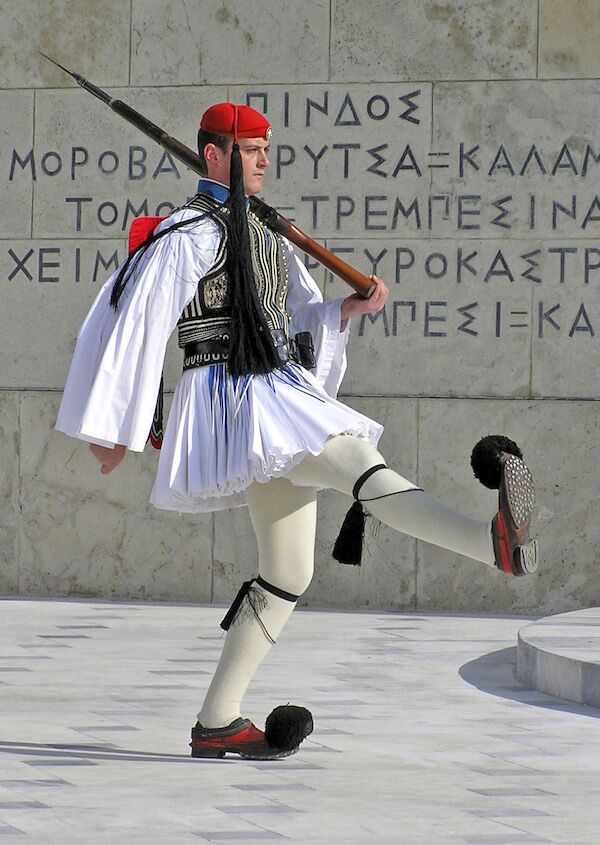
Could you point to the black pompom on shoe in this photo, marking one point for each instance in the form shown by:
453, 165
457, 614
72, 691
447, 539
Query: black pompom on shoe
287, 726
486, 458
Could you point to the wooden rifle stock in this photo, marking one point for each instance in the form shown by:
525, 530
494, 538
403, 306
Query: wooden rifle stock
362, 284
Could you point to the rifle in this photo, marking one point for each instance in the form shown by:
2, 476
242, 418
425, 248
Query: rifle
362, 284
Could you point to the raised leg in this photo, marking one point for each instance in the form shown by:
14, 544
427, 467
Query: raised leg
393, 499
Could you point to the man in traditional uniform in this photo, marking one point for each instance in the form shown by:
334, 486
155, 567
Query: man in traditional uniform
248, 423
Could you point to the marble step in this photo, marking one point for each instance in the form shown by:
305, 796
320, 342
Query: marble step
560, 655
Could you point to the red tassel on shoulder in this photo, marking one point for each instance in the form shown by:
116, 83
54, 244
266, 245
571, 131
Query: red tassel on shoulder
142, 228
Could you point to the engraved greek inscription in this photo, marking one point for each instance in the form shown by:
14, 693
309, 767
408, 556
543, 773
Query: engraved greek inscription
582, 323
399, 208
20, 265
346, 148
563, 251
530, 257
589, 264
371, 212
464, 200
405, 259
51, 163
463, 263
438, 165
45, 264
466, 310
434, 318
108, 162
107, 265
499, 268
27, 161
378, 108
436, 265
375, 318
533, 155
500, 219
375, 259
316, 157
79, 158
347, 115
593, 214
374, 168
545, 316
136, 163
465, 158
258, 100
315, 202
323, 107
397, 309
501, 162
439, 198
345, 207
564, 161
412, 165
408, 100
285, 156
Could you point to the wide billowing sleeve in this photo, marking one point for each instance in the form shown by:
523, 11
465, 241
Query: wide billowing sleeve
113, 383
322, 319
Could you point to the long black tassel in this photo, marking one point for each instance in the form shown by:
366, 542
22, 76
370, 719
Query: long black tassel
252, 349
348, 547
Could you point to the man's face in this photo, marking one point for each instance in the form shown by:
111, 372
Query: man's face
254, 162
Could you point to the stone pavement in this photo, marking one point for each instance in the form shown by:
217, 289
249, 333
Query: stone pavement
422, 734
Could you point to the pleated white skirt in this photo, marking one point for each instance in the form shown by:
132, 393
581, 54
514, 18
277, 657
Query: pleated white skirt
224, 433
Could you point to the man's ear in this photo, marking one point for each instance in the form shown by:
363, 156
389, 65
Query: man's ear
211, 153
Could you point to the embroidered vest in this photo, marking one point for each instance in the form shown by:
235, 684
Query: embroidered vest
208, 317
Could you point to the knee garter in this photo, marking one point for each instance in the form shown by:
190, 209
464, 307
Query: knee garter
349, 544
255, 601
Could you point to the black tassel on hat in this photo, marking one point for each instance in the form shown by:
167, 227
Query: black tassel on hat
252, 349
485, 458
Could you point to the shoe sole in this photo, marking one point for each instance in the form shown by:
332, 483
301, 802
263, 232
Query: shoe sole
519, 490
245, 754
520, 495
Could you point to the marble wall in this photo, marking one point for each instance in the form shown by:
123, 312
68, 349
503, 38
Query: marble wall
451, 147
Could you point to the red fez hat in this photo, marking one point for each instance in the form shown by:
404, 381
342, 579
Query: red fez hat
239, 121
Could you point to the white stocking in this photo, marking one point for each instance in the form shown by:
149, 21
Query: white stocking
284, 519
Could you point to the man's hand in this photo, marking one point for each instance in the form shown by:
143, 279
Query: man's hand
356, 305
109, 458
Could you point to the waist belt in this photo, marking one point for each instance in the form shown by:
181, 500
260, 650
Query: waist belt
206, 352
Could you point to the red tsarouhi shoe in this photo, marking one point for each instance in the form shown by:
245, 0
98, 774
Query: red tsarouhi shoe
285, 729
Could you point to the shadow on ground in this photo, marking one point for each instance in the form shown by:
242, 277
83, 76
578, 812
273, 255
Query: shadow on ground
495, 673
49, 751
